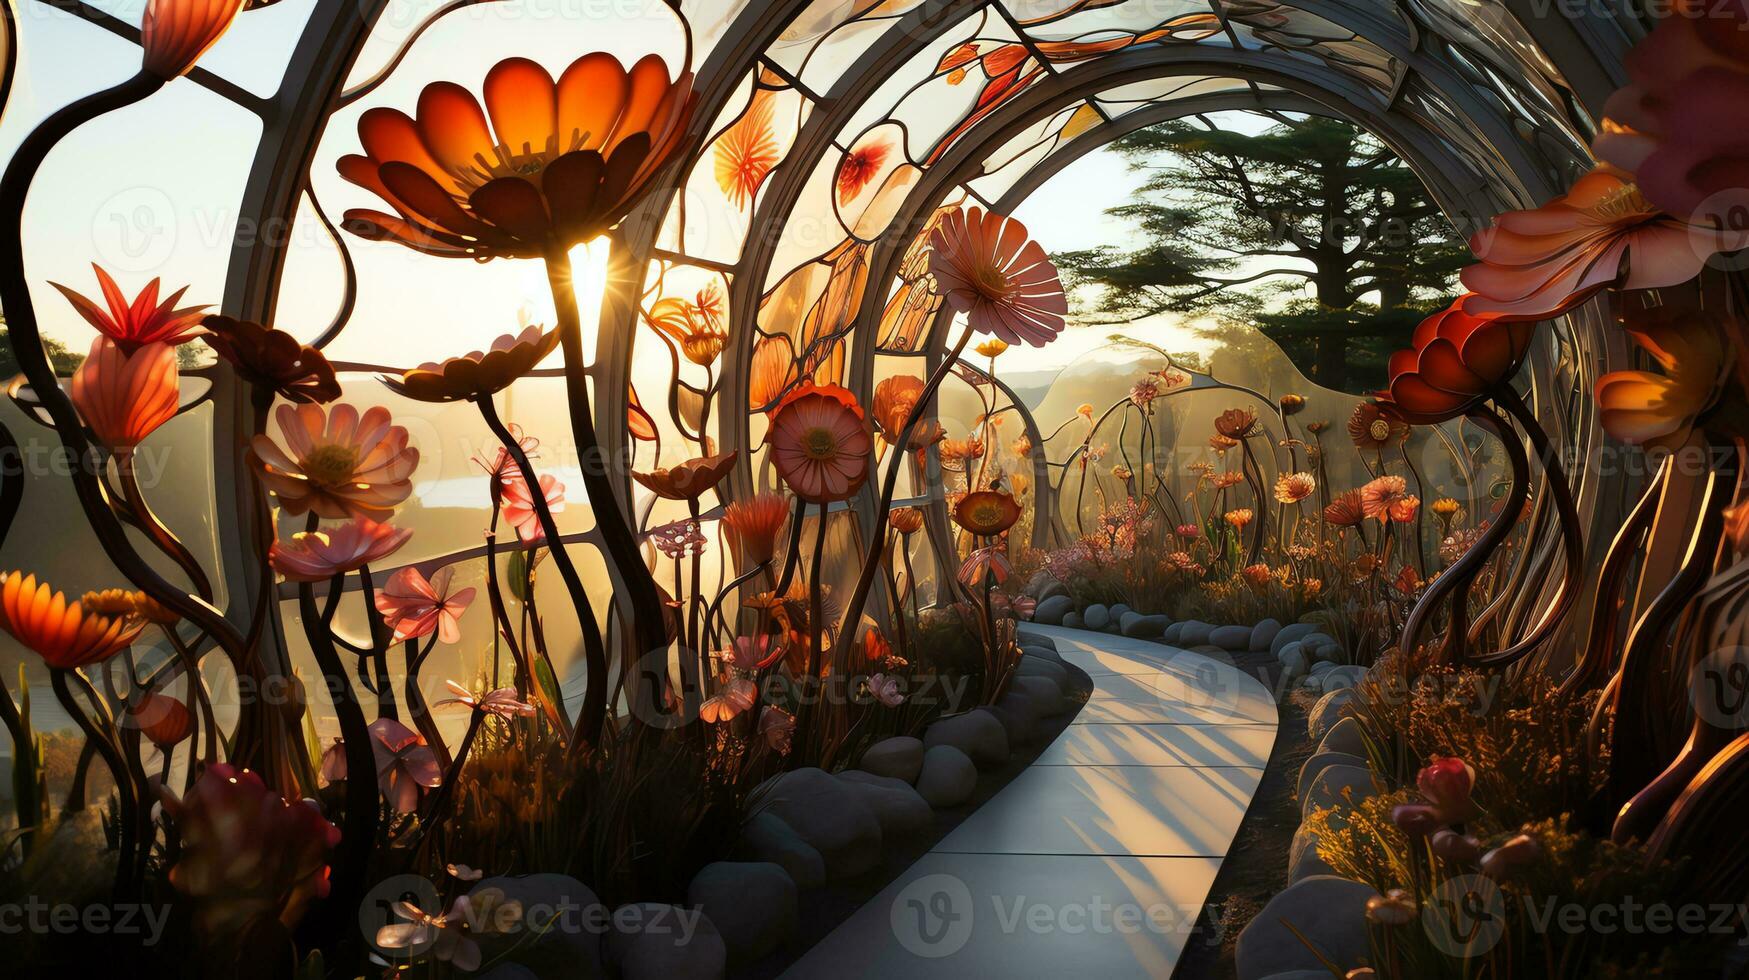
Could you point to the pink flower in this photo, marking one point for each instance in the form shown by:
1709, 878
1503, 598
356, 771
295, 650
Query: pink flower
443, 937
984, 561
333, 762
519, 505
735, 697
413, 606
502, 701
404, 763
886, 690
501, 467
336, 462
777, 727
312, 556
985, 265
1446, 782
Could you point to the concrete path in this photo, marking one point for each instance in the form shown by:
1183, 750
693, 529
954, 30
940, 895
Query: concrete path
1095, 861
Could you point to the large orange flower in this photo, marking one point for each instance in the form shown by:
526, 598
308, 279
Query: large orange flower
689, 480
143, 321
339, 463
1603, 232
820, 443
124, 397
985, 265
477, 373
558, 163
175, 33
756, 524
1660, 409
986, 513
65, 634
1457, 360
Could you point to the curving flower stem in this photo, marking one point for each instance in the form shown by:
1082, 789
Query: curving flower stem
1572, 534
816, 638
1455, 581
877, 535
648, 624
594, 652
155, 529
125, 789
253, 746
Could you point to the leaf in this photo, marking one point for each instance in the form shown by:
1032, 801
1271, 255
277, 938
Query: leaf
516, 570
550, 698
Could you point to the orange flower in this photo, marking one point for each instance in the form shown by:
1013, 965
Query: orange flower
859, 166
312, 556
124, 397
1457, 360
340, 464
986, 513
690, 480
747, 151
820, 443
272, 359
1022, 447
960, 450
905, 520
478, 373
755, 525
65, 634
1240, 517
772, 372
143, 321
1291, 488
175, 33
1601, 233
696, 325
1347, 510
1257, 575
875, 648
894, 400
558, 164
985, 265
1378, 495
164, 720
1402, 510
1376, 427
1408, 582
1660, 410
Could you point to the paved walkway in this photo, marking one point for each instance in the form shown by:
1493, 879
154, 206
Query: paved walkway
1094, 862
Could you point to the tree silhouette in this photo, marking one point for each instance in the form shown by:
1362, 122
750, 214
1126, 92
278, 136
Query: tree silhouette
1310, 230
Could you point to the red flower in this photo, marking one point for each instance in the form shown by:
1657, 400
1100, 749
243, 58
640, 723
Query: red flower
559, 162
859, 166
124, 397
1457, 360
1446, 782
175, 33
143, 321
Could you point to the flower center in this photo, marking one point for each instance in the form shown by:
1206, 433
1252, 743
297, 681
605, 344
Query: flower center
820, 444
992, 282
1380, 430
1621, 204
332, 464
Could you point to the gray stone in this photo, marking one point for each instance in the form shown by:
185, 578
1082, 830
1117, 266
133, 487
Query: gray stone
1234, 639
1345, 736
552, 944
1293, 649
1290, 633
1096, 616
1329, 911
1041, 653
1072, 620
1118, 609
1263, 634
1138, 626
752, 904
1338, 677
647, 941
900, 757
948, 779
895, 804
1330, 708
1052, 671
1195, 634
977, 733
1321, 668
1338, 785
1038, 640
1041, 584
1045, 694
1173, 633
1018, 715
1052, 609
766, 837
1307, 865
1317, 764
1313, 682
1293, 664
826, 814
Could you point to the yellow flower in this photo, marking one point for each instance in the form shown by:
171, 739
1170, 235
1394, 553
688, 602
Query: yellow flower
992, 348
1660, 410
